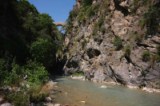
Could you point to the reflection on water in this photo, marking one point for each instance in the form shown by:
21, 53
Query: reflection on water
77, 92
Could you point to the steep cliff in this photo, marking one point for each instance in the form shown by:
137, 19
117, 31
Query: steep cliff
115, 41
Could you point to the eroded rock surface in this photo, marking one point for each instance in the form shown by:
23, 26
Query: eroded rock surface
91, 48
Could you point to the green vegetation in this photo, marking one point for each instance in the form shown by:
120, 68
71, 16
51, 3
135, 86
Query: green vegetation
151, 20
29, 45
87, 2
87, 12
98, 26
84, 43
79, 73
18, 98
156, 57
158, 50
146, 56
137, 38
36, 95
117, 43
127, 51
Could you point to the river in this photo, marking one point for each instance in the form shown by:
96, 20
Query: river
85, 93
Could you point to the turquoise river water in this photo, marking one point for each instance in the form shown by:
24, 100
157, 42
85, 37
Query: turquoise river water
85, 93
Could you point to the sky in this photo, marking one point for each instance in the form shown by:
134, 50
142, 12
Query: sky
57, 9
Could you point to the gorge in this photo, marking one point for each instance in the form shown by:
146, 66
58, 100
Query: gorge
115, 41
108, 45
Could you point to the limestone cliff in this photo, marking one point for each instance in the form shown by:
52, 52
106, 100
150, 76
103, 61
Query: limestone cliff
115, 41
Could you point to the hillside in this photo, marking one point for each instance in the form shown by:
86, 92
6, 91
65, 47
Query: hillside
115, 41
30, 45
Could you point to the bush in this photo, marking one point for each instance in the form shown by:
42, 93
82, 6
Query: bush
36, 95
117, 43
79, 73
98, 26
87, 2
92, 10
3, 70
13, 77
18, 98
158, 50
158, 58
43, 51
36, 72
138, 38
127, 50
151, 20
146, 56
24, 98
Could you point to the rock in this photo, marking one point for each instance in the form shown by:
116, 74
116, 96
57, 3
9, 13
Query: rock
132, 87
92, 50
78, 77
99, 76
25, 77
103, 86
48, 87
27, 86
84, 102
6, 104
49, 104
48, 99
1, 99
57, 104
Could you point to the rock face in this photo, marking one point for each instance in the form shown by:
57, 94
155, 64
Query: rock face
91, 44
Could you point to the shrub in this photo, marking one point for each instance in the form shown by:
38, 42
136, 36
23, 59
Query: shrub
117, 43
43, 51
158, 58
13, 77
84, 43
138, 38
79, 73
92, 10
151, 20
36, 95
98, 26
146, 56
18, 98
3, 70
158, 50
127, 50
87, 2
36, 73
